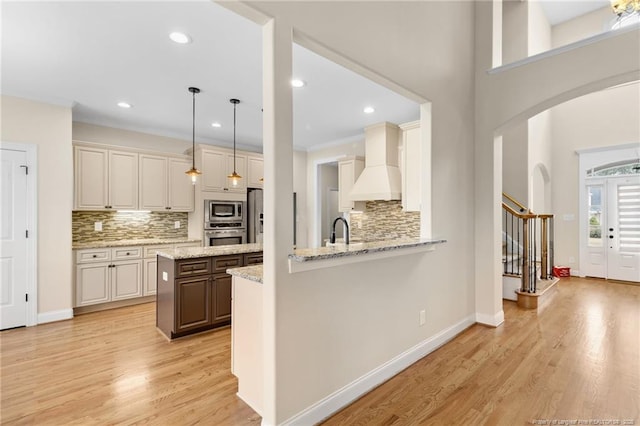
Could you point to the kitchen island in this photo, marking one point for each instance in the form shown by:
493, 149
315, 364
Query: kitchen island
194, 288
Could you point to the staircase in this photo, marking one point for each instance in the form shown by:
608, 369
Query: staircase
527, 255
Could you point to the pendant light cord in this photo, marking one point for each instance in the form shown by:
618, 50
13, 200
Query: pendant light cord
234, 137
193, 133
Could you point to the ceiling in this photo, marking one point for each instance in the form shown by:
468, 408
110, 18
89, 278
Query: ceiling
91, 55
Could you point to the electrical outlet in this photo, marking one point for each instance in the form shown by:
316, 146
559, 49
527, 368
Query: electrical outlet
176, 225
97, 226
423, 317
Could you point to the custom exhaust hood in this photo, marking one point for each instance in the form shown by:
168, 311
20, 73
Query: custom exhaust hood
380, 179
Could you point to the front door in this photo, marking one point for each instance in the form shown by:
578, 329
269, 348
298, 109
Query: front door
623, 228
13, 239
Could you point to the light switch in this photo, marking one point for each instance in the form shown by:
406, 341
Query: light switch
176, 224
97, 226
165, 276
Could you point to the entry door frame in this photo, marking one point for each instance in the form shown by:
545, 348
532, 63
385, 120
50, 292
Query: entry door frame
588, 159
31, 151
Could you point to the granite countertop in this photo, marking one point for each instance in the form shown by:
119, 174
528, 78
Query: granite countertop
138, 242
252, 273
359, 248
195, 252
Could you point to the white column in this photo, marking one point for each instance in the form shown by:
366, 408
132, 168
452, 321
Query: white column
278, 196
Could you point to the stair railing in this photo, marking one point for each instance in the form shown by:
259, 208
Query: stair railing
522, 230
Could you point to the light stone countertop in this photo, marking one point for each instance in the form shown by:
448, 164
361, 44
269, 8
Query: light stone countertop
252, 273
195, 252
138, 242
360, 248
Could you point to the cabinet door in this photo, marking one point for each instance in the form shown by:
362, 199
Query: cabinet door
92, 284
91, 181
241, 169
123, 180
255, 172
214, 169
153, 183
181, 191
348, 172
193, 303
411, 170
221, 298
126, 280
150, 277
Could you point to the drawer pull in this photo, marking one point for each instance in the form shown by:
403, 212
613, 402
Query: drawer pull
128, 253
95, 255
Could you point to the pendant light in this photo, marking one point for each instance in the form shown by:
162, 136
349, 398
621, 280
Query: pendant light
193, 172
235, 177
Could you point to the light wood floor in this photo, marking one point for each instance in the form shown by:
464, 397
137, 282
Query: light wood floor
579, 359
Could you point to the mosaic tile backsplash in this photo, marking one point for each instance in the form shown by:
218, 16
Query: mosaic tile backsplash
127, 225
384, 220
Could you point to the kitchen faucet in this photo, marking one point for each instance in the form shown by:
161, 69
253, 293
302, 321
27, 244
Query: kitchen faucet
333, 230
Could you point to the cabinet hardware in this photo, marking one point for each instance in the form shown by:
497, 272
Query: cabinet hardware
95, 255
128, 253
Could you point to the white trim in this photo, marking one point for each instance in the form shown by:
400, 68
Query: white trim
562, 49
52, 316
31, 151
364, 384
632, 145
490, 320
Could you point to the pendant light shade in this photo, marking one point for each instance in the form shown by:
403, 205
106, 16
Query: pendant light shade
234, 177
193, 172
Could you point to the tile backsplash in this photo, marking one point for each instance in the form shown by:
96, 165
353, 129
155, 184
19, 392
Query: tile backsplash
384, 220
127, 225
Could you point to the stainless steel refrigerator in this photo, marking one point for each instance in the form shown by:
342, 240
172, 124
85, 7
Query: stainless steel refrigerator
255, 216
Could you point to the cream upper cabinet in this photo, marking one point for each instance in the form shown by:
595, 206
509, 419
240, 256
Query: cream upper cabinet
216, 165
91, 178
411, 172
105, 179
255, 172
180, 190
348, 172
164, 185
153, 182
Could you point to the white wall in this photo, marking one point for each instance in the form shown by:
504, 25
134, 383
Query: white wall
583, 27
606, 118
48, 127
307, 338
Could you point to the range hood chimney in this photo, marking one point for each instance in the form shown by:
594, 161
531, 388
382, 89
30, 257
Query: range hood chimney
380, 179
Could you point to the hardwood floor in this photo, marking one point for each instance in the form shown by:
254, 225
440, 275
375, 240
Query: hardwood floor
578, 359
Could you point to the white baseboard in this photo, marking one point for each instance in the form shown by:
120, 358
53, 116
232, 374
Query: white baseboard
490, 320
51, 316
354, 390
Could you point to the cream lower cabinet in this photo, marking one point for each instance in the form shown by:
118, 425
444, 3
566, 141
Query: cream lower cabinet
106, 275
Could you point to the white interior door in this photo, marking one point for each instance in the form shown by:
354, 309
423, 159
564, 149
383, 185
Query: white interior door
623, 228
13, 239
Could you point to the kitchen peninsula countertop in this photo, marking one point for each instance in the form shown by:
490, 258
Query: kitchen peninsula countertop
252, 273
360, 248
133, 242
195, 252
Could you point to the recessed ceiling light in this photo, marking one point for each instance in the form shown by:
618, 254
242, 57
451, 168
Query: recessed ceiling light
297, 83
369, 110
216, 124
180, 38
124, 105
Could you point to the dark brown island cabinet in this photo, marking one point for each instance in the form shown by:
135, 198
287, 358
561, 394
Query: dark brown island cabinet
194, 294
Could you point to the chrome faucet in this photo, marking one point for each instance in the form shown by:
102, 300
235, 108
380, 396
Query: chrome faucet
333, 230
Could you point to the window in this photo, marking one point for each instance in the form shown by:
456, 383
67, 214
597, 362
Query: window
594, 193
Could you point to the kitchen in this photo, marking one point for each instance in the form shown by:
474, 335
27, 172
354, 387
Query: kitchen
117, 141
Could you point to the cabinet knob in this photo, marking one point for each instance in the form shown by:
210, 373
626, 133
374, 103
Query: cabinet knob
128, 253
168, 208
95, 255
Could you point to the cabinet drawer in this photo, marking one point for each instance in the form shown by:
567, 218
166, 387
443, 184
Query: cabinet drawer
93, 255
222, 263
252, 259
187, 268
121, 253
151, 251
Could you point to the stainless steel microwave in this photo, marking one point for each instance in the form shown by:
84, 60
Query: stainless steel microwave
224, 212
